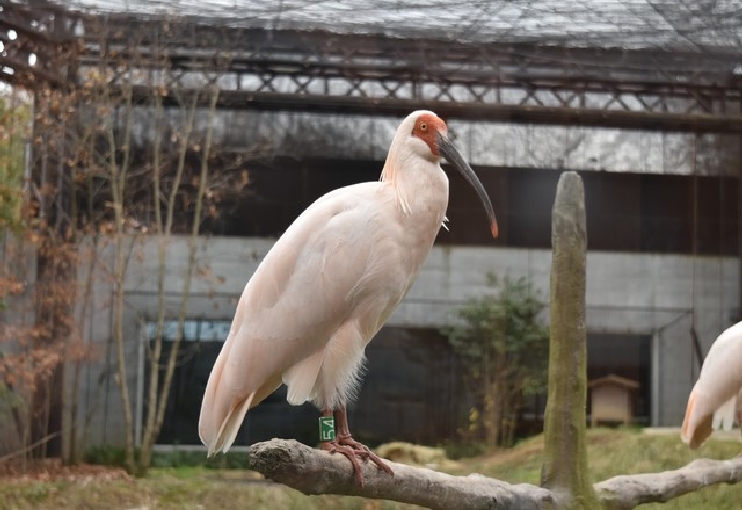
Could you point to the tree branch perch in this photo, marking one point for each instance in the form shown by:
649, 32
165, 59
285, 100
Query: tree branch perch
623, 492
313, 472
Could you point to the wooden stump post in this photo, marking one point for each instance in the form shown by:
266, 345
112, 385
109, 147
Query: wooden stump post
565, 463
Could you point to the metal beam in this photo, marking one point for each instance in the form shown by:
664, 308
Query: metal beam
370, 74
518, 114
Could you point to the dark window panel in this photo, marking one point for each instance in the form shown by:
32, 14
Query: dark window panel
666, 216
716, 232
625, 212
612, 211
627, 356
532, 195
410, 392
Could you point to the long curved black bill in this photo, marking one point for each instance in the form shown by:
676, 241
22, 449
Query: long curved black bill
452, 155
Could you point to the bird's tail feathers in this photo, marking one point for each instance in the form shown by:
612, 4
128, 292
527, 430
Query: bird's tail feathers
301, 379
230, 426
697, 425
724, 416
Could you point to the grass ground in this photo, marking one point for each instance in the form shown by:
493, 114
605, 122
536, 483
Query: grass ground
610, 452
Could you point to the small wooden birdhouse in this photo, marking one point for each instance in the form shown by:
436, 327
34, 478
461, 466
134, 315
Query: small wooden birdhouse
611, 399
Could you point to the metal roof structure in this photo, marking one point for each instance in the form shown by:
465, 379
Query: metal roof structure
565, 69
668, 24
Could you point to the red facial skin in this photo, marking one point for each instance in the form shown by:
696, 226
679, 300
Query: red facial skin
427, 127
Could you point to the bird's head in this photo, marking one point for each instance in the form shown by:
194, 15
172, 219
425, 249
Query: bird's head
429, 129
427, 137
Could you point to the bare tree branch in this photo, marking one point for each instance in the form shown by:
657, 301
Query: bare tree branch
313, 471
29, 447
628, 491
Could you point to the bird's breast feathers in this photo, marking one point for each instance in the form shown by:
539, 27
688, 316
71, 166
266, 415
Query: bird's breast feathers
349, 244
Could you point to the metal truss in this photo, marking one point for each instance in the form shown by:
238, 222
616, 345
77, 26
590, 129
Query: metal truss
38, 43
377, 75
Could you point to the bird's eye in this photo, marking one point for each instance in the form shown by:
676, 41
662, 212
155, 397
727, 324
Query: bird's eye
423, 127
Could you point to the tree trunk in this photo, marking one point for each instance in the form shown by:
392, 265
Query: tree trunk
118, 175
118, 335
565, 465
492, 415
76, 435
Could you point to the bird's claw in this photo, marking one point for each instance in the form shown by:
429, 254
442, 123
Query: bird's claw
363, 452
353, 451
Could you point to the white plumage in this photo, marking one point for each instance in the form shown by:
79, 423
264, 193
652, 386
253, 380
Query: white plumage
712, 402
329, 284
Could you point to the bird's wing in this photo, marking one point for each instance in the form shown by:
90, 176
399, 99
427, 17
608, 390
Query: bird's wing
296, 299
720, 380
721, 373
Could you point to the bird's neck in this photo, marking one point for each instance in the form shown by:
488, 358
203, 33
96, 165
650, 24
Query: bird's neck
419, 184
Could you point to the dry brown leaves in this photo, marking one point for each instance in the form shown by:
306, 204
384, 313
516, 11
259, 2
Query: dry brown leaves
46, 470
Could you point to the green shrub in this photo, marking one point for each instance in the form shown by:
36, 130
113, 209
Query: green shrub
106, 455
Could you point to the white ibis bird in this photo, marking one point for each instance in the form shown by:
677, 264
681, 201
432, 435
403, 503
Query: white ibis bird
717, 387
329, 284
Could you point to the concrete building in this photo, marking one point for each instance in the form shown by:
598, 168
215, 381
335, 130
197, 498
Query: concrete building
309, 101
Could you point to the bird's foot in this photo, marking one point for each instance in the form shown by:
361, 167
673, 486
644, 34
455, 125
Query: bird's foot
354, 451
363, 452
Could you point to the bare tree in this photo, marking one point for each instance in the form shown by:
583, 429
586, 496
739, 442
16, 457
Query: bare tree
38, 333
159, 389
161, 168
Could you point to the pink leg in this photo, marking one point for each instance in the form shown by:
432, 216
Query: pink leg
352, 449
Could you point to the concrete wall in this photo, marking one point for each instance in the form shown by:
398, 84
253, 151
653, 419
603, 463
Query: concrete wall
662, 296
